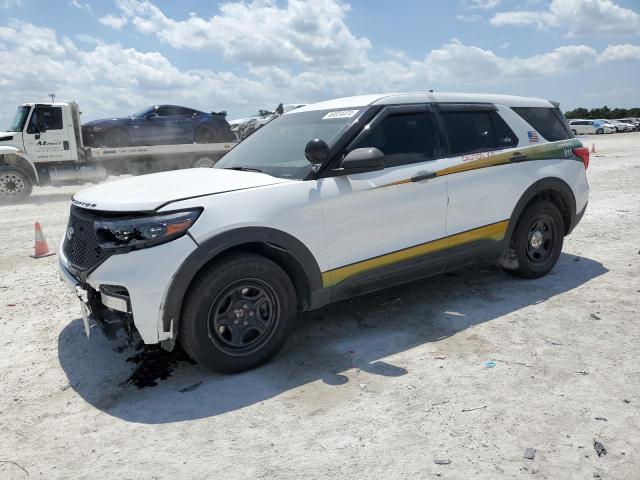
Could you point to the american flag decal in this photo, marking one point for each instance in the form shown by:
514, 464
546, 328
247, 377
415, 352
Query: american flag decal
533, 136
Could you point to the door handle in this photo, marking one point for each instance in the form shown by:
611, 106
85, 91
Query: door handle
517, 157
418, 177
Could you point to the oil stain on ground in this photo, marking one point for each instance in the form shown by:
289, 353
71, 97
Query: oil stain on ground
154, 364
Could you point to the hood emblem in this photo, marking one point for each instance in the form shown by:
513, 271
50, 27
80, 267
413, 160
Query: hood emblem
70, 233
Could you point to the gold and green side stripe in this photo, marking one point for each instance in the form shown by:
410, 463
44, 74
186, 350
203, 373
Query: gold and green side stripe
495, 231
545, 151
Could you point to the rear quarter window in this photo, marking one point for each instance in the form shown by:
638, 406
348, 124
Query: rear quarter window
549, 122
471, 132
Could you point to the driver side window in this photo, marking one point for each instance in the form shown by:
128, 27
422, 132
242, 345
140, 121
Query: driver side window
405, 138
49, 117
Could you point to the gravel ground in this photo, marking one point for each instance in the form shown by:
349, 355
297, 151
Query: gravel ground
378, 387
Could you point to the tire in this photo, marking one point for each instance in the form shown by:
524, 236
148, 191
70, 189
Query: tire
599, 131
15, 184
204, 134
116, 137
537, 240
205, 162
227, 306
574, 132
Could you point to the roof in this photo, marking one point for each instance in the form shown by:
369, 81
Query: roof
407, 98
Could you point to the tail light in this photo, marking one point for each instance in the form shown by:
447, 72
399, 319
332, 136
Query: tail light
583, 153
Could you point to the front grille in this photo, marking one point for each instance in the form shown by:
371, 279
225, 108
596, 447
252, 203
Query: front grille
80, 244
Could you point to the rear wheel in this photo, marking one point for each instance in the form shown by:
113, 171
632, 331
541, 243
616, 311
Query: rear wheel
116, 137
204, 134
15, 184
238, 313
205, 162
537, 240
574, 132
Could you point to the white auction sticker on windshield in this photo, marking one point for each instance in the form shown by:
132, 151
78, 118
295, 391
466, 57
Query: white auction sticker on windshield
340, 114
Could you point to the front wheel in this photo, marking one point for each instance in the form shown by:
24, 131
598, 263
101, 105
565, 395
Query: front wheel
204, 134
15, 184
574, 132
600, 131
537, 240
238, 313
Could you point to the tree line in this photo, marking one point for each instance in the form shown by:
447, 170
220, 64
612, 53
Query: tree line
603, 112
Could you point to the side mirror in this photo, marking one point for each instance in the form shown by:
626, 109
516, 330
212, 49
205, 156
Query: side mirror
280, 109
363, 160
317, 151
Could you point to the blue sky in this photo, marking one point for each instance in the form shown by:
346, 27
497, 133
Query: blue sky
115, 57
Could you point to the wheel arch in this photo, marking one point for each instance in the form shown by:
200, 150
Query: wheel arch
553, 189
18, 161
282, 248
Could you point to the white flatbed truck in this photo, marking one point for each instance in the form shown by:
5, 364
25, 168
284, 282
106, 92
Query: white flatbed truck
33, 155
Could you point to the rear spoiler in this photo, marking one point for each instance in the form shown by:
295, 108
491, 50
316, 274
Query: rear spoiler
222, 113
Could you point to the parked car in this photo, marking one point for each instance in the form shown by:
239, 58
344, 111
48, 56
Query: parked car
589, 127
619, 126
159, 125
325, 202
632, 121
243, 127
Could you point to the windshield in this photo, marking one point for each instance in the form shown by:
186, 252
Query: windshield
142, 113
278, 148
18, 120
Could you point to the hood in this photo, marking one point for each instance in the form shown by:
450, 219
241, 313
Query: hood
104, 122
149, 192
11, 139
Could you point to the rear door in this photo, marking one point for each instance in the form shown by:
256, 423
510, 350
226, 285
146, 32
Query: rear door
484, 185
384, 226
51, 143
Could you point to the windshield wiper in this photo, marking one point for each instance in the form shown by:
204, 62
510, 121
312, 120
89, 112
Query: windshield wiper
243, 169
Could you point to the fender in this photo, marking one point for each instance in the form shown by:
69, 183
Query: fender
550, 184
13, 156
221, 243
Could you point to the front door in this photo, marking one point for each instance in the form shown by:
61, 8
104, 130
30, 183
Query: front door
387, 226
51, 143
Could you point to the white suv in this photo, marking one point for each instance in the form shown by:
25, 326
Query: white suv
589, 127
326, 202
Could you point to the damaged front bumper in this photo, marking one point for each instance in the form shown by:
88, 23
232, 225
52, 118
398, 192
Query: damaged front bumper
108, 308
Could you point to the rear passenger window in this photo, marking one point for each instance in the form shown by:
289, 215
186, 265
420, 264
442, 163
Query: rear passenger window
549, 122
405, 138
471, 132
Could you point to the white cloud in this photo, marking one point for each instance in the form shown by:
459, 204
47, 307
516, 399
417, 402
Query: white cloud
579, 18
114, 22
260, 32
620, 53
81, 5
484, 4
469, 18
9, 4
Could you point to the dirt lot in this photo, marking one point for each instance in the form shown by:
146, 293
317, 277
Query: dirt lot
378, 387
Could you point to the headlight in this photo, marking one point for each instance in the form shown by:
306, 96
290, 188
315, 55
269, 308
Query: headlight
144, 232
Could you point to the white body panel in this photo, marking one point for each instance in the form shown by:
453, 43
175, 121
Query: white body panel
152, 191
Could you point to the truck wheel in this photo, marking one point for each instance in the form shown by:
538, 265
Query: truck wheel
116, 137
537, 240
15, 184
238, 313
204, 134
205, 162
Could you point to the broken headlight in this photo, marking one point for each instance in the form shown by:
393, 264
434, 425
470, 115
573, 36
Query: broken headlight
144, 232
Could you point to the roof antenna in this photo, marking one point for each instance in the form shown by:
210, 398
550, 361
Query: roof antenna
53, 97
431, 91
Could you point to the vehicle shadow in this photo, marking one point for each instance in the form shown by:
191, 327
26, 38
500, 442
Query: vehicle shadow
358, 333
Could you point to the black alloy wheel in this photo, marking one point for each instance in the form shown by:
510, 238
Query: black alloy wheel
537, 240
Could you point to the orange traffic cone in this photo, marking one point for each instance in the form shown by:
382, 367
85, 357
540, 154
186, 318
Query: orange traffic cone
41, 248
593, 147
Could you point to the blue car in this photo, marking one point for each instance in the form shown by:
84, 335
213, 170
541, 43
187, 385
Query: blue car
159, 125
